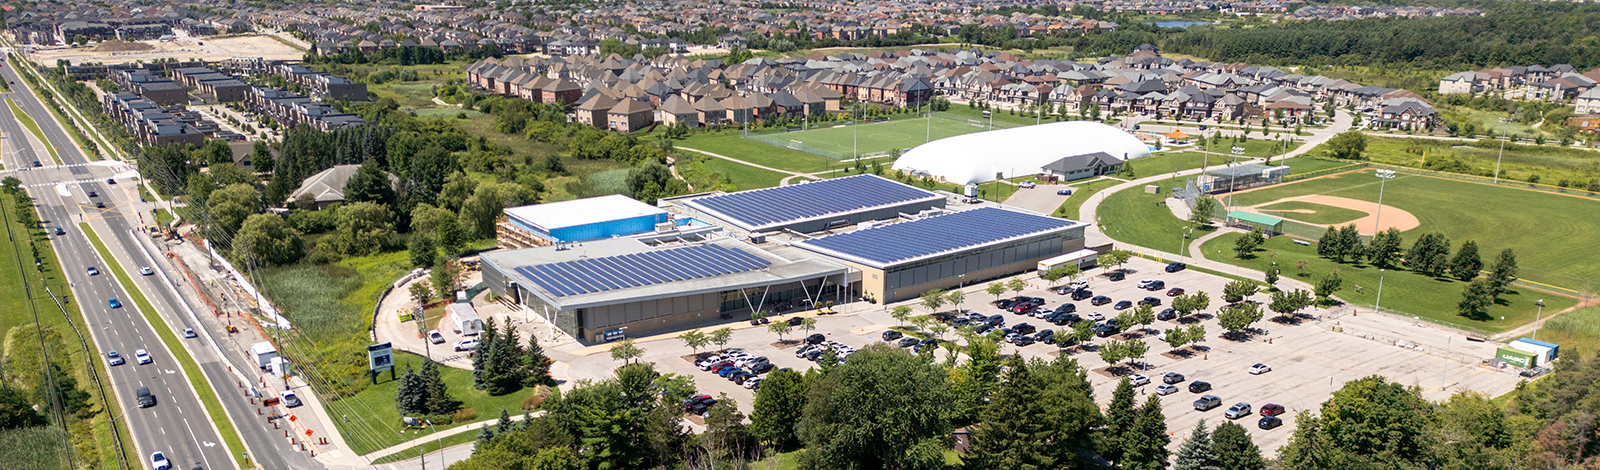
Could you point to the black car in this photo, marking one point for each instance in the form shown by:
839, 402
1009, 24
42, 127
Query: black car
1007, 303
960, 322
930, 342
1270, 422
1106, 330
1151, 301
761, 368
1167, 314
1023, 328
796, 321
1123, 305
1045, 336
59, 231
1065, 319
817, 338
1172, 378
907, 342
1199, 386
1100, 300
1082, 294
100, 205
1023, 340
1175, 267
1156, 285
94, 194
995, 320
36, 164
983, 329
891, 335
1116, 276
1066, 308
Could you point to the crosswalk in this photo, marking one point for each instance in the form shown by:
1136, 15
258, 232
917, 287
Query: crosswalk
53, 183
42, 168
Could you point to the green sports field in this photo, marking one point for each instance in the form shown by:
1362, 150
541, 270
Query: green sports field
1556, 237
848, 141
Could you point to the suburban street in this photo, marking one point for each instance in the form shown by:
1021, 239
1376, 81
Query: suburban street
177, 425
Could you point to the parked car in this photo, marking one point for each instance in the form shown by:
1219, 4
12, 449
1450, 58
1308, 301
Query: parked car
725, 371
1175, 267
1199, 386
142, 356
115, 358
1207, 402
1078, 285
1151, 301
816, 338
1138, 379
466, 345
1023, 328
907, 342
1166, 389
1095, 316
927, 343
1259, 369
1045, 336
1082, 294
995, 320
1123, 305
1066, 308
1099, 300
1271, 409
1116, 276
1106, 330
1145, 283
1064, 192
1270, 422
796, 321
1158, 285
1238, 410
1027, 185
1172, 378
1174, 292
761, 368
1167, 314
290, 400
891, 335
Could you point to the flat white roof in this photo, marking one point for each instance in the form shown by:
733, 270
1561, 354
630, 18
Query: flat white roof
558, 215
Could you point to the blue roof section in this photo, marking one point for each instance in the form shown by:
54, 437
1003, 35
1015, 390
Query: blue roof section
764, 207
935, 235
591, 275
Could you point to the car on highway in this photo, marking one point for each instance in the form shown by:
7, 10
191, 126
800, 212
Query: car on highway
93, 271
94, 194
1138, 379
290, 400
142, 356
159, 461
1166, 389
466, 345
1199, 386
114, 303
1238, 410
146, 400
111, 181
435, 337
1269, 422
145, 270
60, 231
1207, 402
36, 164
100, 205
1259, 369
115, 358
189, 333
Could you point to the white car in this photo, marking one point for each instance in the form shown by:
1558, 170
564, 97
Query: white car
142, 356
1259, 369
1145, 283
1166, 389
1078, 285
1139, 379
145, 270
435, 337
1027, 184
467, 345
1042, 313
1095, 316
159, 461
115, 358
752, 383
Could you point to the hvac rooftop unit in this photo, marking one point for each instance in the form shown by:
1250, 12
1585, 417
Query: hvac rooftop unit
971, 190
665, 227
758, 238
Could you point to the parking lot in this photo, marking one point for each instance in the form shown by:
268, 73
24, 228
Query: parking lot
1308, 360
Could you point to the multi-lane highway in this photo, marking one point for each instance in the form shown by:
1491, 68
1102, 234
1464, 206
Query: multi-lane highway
177, 425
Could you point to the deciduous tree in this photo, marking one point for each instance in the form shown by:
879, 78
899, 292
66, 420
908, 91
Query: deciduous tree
777, 409
1467, 263
1234, 450
1237, 291
847, 424
1476, 297
1504, 271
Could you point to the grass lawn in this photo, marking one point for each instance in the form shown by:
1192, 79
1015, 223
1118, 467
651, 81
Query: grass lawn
1131, 216
744, 176
449, 113
33, 127
1497, 217
1304, 164
1489, 122
1084, 191
1172, 162
483, 126
1320, 214
866, 138
17, 318
1423, 296
729, 144
377, 424
432, 448
191, 370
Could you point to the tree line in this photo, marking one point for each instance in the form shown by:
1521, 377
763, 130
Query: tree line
1429, 256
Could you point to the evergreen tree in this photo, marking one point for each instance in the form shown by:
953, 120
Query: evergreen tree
536, 365
437, 395
1234, 450
1504, 271
1119, 423
1197, 453
410, 396
503, 426
485, 435
482, 369
505, 363
1467, 262
1009, 438
1148, 450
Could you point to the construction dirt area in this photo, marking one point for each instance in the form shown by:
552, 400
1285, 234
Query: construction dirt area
183, 49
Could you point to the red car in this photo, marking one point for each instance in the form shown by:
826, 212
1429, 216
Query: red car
1174, 292
1271, 409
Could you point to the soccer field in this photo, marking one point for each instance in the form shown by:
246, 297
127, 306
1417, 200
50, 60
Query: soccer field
1556, 237
848, 141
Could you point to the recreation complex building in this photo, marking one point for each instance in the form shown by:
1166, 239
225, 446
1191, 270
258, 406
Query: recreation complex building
614, 268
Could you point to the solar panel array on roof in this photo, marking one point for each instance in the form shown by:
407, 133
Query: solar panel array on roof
760, 207
591, 275
907, 240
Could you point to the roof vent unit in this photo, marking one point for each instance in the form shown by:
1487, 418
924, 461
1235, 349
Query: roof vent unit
971, 190
666, 227
758, 238
865, 225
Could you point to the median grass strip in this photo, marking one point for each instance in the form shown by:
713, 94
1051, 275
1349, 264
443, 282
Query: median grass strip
49, 100
34, 128
191, 370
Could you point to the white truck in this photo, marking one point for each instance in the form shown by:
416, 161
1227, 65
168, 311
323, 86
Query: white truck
263, 352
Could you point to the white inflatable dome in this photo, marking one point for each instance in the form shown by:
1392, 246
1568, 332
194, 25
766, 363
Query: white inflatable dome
1020, 151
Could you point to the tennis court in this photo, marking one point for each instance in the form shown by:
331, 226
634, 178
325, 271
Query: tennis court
841, 141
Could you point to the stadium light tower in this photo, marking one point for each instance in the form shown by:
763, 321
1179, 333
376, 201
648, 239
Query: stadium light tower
1384, 176
1501, 157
